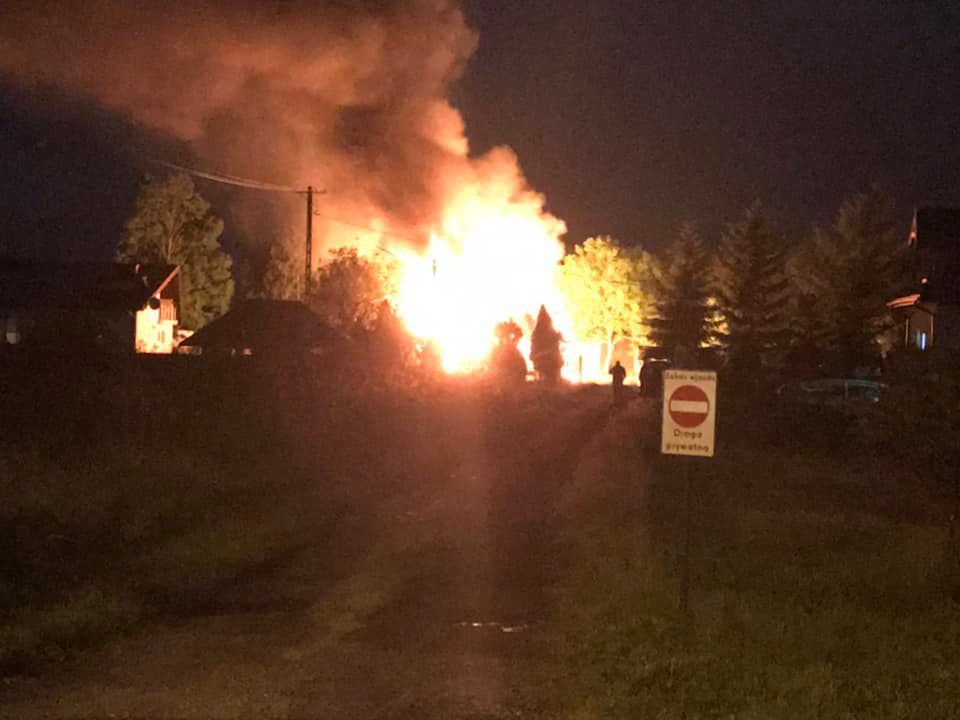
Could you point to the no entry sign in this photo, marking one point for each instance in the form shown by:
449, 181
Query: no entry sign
689, 412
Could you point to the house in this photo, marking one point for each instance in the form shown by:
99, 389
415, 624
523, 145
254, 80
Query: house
83, 306
280, 328
931, 315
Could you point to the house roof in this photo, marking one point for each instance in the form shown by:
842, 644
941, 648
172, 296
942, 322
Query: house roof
264, 325
937, 229
905, 301
99, 287
916, 301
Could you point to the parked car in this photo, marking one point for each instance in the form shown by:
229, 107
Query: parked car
651, 377
844, 393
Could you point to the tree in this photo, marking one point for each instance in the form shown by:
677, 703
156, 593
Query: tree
508, 333
605, 288
348, 290
506, 360
846, 275
685, 316
390, 345
753, 294
283, 276
173, 225
545, 348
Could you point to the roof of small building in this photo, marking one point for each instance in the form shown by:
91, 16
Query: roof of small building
262, 325
905, 301
98, 287
916, 301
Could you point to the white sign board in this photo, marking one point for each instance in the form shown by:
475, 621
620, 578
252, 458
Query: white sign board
689, 412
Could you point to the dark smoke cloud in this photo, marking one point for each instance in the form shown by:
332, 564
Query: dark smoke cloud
347, 96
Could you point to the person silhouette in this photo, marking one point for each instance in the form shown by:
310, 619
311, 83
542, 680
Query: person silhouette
619, 374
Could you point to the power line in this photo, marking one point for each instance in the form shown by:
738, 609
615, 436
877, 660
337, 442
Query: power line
236, 180
309, 191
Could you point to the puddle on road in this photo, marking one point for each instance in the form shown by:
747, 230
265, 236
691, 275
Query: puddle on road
493, 625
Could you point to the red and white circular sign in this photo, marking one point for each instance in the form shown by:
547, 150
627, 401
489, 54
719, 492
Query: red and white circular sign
688, 406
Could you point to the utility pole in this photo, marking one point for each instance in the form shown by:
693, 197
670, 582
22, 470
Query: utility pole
308, 258
269, 187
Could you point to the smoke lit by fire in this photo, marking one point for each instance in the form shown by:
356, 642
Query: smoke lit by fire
348, 97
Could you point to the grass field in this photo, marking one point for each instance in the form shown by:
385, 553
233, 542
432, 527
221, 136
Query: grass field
136, 490
821, 587
824, 576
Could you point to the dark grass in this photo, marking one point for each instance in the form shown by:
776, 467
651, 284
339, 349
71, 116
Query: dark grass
136, 488
140, 488
823, 573
822, 580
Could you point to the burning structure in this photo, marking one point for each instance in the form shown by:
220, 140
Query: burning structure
351, 97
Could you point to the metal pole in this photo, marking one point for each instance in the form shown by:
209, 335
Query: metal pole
687, 532
308, 256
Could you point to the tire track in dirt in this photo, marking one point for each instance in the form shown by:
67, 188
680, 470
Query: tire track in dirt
464, 637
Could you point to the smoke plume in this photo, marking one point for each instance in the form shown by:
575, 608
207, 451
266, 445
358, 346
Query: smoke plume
346, 95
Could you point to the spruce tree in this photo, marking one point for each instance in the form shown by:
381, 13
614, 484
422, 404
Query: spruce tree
545, 348
753, 295
847, 274
684, 315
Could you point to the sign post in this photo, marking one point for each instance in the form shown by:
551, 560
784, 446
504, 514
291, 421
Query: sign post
689, 413
688, 429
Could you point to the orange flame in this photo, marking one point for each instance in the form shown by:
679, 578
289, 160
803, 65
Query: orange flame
494, 258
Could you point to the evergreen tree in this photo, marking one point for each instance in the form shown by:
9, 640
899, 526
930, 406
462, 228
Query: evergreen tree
752, 294
806, 331
545, 348
173, 225
685, 317
846, 275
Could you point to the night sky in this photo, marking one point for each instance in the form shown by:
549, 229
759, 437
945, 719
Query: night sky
632, 116
628, 116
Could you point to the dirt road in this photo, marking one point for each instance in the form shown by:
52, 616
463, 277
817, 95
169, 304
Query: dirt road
431, 603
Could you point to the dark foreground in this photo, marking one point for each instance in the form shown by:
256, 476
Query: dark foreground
259, 548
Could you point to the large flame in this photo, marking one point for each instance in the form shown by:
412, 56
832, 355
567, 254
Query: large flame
493, 258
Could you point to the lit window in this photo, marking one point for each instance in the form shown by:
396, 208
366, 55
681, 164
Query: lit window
921, 340
12, 334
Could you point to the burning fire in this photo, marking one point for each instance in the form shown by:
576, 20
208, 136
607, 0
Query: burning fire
494, 258
389, 166
485, 268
